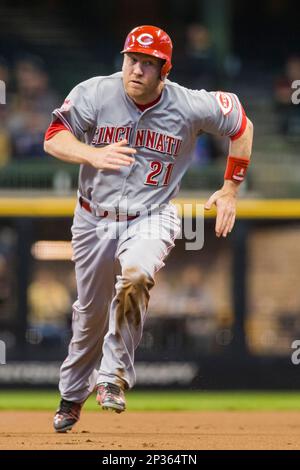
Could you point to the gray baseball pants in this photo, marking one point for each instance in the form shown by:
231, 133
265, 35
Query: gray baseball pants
114, 274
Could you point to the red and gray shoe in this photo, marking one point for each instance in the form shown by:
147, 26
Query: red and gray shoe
111, 397
66, 416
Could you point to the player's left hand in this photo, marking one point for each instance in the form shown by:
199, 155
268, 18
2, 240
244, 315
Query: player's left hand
225, 201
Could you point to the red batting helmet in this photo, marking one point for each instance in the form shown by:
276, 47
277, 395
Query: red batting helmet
152, 41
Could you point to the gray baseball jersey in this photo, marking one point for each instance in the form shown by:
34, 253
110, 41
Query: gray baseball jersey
110, 311
99, 112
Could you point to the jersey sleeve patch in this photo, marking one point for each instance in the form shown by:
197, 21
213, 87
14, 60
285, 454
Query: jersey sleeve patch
225, 102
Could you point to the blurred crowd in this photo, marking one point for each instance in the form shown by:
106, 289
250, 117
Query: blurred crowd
27, 112
30, 98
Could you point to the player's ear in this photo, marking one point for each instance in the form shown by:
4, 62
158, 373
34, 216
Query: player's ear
124, 60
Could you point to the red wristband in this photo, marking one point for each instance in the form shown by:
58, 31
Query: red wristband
236, 168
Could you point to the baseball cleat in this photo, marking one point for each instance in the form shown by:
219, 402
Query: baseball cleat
111, 397
66, 416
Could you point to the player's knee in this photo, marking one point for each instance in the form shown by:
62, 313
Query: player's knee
137, 276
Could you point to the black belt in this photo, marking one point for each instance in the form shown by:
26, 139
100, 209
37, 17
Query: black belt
118, 217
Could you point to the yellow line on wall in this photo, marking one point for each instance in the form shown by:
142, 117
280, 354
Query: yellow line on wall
64, 207
37, 207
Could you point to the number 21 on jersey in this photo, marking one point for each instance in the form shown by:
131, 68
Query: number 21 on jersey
160, 173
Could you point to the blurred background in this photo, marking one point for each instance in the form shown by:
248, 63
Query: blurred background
222, 317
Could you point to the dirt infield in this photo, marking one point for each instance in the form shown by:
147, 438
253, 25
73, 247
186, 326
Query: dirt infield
154, 430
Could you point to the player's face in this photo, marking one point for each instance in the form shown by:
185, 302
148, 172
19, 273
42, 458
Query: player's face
141, 77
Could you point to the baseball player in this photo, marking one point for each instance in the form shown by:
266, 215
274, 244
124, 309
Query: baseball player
133, 134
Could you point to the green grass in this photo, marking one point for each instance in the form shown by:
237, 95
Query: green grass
168, 401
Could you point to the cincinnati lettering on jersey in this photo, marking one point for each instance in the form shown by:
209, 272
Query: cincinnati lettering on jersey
147, 138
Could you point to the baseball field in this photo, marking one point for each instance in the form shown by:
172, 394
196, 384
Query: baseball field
157, 420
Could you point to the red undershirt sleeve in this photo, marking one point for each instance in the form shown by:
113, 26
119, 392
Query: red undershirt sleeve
54, 128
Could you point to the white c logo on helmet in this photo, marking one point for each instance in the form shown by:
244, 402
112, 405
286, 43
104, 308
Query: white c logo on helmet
145, 39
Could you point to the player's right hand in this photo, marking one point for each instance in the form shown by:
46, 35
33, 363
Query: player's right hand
113, 156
